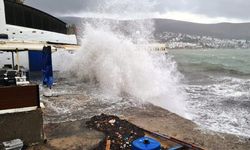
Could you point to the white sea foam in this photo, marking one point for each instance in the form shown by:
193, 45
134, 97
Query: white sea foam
120, 66
222, 106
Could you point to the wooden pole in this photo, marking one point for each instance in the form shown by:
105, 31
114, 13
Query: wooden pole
108, 144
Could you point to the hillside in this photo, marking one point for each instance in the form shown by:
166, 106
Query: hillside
220, 30
180, 34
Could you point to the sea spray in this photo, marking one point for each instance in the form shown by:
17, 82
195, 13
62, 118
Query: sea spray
113, 58
119, 66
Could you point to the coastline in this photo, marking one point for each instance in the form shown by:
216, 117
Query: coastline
75, 134
165, 122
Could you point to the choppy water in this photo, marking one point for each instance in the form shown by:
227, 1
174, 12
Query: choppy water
218, 87
70, 100
218, 98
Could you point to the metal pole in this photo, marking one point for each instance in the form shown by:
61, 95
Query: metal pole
13, 61
17, 59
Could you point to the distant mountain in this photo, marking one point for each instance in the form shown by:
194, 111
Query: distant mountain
220, 30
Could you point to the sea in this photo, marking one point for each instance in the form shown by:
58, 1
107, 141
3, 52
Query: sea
214, 85
217, 83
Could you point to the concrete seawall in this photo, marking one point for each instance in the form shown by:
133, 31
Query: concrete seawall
27, 126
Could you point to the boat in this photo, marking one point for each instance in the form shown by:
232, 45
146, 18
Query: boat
24, 29
19, 22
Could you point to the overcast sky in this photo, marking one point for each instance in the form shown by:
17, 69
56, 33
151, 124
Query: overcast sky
202, 11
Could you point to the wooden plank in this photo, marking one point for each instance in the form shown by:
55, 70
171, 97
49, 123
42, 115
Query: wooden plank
108, 145
19, 97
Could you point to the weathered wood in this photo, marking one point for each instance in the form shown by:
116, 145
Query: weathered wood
12, 97
108, 144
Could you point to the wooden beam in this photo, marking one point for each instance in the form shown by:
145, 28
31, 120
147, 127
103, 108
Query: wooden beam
12, 97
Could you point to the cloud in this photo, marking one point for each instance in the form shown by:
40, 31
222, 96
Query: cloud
211, 8
190, 17
197, 10
56, 7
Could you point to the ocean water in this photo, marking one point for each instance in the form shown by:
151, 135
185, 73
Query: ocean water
217, 82
111, 73
216, 85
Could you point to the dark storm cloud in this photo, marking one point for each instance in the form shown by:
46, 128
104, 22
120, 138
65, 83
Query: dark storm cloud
63, 6
238, 9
